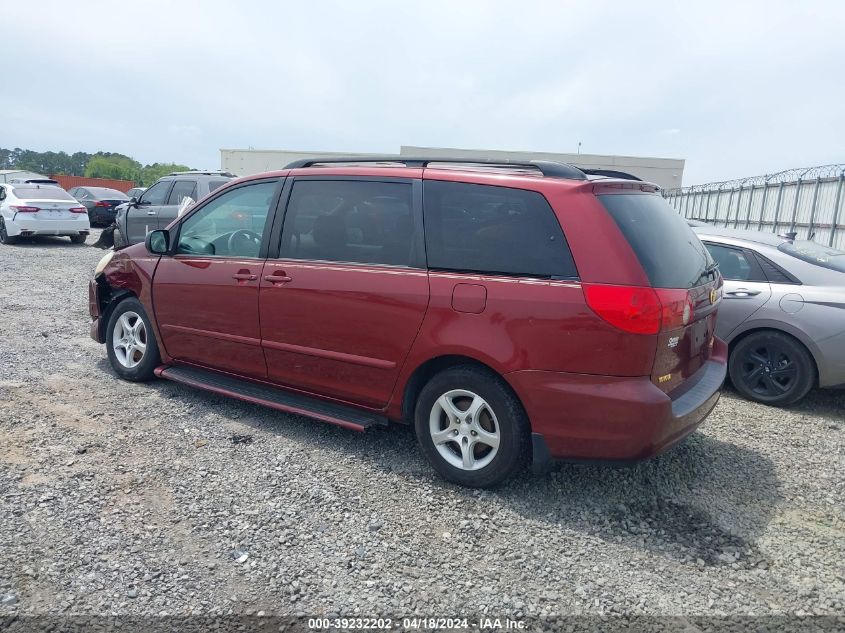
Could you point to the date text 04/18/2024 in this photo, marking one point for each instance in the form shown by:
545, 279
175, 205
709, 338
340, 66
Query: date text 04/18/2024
416, 624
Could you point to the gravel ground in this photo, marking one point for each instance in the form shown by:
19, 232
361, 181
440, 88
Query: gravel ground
127, 498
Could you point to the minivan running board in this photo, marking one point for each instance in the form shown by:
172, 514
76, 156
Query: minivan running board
333, 413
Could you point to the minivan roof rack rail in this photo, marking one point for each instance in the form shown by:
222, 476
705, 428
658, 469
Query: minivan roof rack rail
548, 168
610, 173
201, 172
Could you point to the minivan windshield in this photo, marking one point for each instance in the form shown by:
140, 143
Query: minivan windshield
669, 251
814, 253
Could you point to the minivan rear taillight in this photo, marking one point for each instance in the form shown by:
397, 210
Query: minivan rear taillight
23, 209
640, 310
677, 308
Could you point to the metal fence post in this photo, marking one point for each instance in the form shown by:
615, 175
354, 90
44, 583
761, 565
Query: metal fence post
748, 213
834, 223
813, 207
795, 206
728, 207
777, 208
738, 203
707, 209
763, 205
718, 201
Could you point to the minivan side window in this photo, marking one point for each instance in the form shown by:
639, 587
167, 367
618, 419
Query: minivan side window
349, 221
156, 193
494, 230
231, 225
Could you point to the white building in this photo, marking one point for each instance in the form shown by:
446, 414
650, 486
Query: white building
664, 172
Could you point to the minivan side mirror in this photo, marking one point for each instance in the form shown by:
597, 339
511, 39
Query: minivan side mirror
158, 242
133, 201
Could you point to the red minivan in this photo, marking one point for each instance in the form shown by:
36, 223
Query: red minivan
512, 312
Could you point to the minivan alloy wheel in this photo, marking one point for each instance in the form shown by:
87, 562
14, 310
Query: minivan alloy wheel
129, 339
464, 429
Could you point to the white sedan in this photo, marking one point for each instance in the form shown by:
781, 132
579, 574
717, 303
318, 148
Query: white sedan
31, 209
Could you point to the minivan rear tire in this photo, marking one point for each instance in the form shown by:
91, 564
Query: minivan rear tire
465, 434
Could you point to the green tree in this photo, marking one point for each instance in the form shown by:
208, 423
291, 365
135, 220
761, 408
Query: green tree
99, 165
117, 166
151, 173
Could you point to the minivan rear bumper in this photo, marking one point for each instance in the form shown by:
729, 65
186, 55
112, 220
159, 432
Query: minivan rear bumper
586, 417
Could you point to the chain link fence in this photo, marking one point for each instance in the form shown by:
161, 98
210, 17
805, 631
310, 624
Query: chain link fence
808, 201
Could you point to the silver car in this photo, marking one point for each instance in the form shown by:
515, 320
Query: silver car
783, 312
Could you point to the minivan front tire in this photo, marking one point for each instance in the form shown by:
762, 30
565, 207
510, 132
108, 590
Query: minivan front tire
131, 343
471, 427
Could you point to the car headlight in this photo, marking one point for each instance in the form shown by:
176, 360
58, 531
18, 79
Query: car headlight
101, 265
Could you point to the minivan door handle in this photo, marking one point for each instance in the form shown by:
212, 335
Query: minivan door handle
278, 277
151, 212
244, 275
741, 293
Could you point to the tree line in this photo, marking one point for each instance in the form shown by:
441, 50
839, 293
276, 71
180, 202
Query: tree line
98, 165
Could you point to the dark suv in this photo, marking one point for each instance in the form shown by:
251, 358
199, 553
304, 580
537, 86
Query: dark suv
158, 205
510, 312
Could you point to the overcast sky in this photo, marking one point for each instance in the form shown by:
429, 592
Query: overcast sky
734, 88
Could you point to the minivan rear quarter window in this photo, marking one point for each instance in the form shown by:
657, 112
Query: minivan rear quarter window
668, 250
494, 230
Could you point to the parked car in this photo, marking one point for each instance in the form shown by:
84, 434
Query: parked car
40, 209
783, 312
135, 192
539, 314
101, 202
158, 206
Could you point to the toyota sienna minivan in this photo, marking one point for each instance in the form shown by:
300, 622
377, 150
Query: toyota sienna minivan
513, 313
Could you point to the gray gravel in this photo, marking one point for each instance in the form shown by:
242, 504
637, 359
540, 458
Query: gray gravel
134, 499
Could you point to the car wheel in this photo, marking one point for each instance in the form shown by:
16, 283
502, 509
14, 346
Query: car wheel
78, 239
131, 343
117, 239
471, 427
772, 368
5, 238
